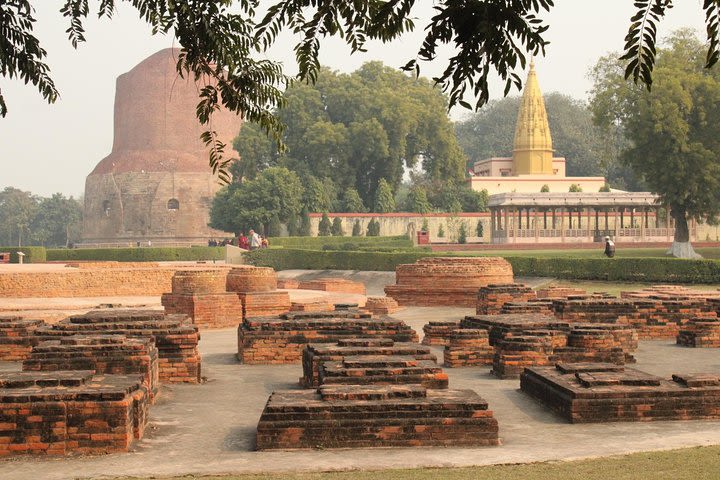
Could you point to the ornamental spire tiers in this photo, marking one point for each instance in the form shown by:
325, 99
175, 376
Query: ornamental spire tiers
532, 151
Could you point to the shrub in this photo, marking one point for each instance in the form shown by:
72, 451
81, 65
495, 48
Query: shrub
305, 229
373, 228
274, 227
480, 229
32, 254
316, 243
545, 188
324, 227
357, 230
441, 231
337, 227
462, 233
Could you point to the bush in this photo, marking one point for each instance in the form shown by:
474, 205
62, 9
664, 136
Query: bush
462, 234
337, 227
672, 270
316, 243
304, 230
480, 228
32, 254
149, 254
274, 228
324, 227
357, 230
441, 232
373, 228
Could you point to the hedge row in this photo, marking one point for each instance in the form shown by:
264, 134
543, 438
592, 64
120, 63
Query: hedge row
149, 254
649, 270
317, 243
32, 254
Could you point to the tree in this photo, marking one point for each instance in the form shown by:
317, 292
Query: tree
17, 211
319, 195
324, 227
337, 228
480, 229
384, 200
274, 228
373, 228
57, 222
275, 192
417, 201
293, 225
462, 233
224, 42
673, 131
356, 231
305, 225
352, 203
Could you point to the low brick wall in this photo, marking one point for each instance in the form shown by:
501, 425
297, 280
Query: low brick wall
17, 337
57, 413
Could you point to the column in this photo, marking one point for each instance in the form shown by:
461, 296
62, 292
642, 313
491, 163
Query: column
544, 218
537, 226
519, 212
562, 224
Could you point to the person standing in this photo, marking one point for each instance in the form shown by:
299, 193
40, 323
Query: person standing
243, 241
254, 240
609, 248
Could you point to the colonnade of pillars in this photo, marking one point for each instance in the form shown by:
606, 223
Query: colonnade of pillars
519, 218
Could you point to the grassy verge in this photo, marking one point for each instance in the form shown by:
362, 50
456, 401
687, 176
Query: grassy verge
701, 463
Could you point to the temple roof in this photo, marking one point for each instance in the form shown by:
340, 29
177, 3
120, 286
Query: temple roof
574, 199
532, 131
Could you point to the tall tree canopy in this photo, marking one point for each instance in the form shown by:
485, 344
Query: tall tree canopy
674, 131
359, 129
588, 149
221, 39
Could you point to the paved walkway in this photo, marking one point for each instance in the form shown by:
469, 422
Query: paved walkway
210, 428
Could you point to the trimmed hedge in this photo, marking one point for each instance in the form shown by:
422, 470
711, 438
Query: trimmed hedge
32, 254
318, 243
145, 254
647, 270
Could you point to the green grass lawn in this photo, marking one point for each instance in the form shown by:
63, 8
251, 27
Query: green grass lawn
686, 464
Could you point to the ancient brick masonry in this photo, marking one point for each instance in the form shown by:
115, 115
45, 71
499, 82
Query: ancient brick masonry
450, 281
257, 289
315, 355
58, 413
492, 298
104, 354
584, 393
17, 337
468, 347
382, 370
381, 305
437, 332
700, 332
351, 416
333, 285
312, 306
201, 295
281, 339
175, 337
559, 292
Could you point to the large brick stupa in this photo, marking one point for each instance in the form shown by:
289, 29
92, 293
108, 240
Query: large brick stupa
156, 184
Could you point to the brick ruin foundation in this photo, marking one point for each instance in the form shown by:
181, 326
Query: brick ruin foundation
104, 354
175, 337
583, 393
316, 354
437, 332
281, 339
333, 285
468, 347
201, 295
700, 332
492, 298
70, 412
257, 289
352, 416
381, 305
382, 370
451, 281
312, 306
17, 337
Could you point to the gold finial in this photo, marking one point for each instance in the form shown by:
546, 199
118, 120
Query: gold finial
532, 152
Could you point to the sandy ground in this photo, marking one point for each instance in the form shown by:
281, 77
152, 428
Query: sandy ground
210, 428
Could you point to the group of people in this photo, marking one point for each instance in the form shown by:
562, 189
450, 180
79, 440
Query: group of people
252, 241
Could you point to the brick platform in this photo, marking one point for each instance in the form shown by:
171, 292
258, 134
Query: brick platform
468, 347
673, 291
382, 370
104, 354
700, 333
492, 298
17, 337
536, 306
315, 355
201, 295
333, 285
288, 283
257, 289
584, 393
447, 281
375, 416
314, 306
552, 293
381, 305
175, 337
281, 339
438, 332
57, 413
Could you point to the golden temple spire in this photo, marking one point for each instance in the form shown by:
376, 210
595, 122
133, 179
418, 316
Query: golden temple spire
532, 151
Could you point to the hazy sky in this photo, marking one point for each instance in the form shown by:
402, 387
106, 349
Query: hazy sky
51, 148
